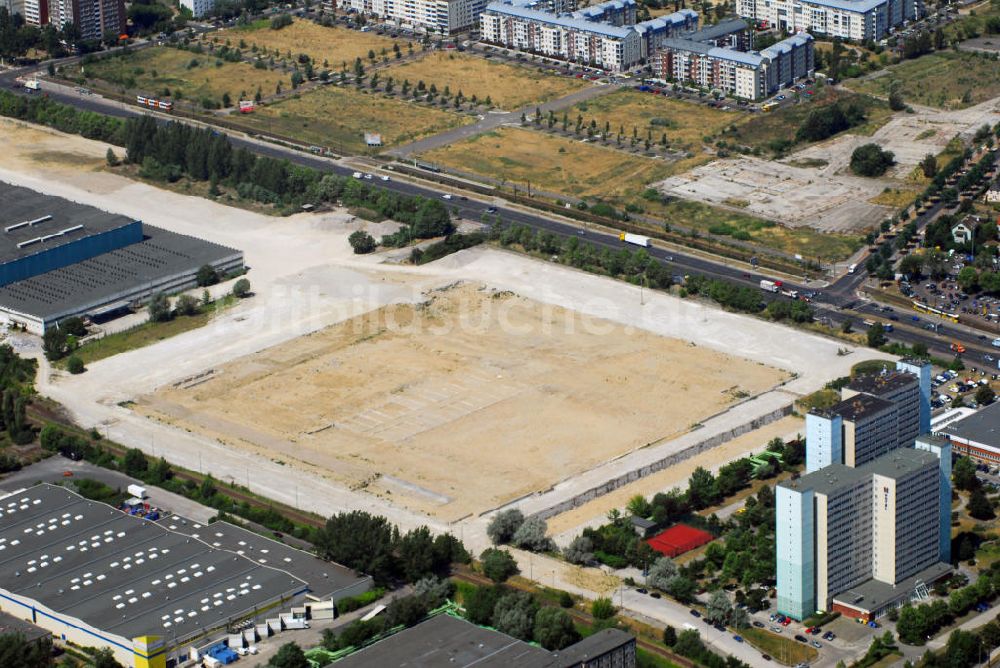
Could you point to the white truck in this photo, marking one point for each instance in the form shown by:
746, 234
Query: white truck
138, 491
794, 294
769, 286
636, 239
33, 84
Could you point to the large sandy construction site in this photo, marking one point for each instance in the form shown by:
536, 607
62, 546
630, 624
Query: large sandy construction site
419, 393
463, 402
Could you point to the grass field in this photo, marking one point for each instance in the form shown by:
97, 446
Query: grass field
149, 333
338, 118
509, 86
763, 129
946, 80
894, 197
685, 124
336, 46
156, 70
784, 650
563, 166
554, 164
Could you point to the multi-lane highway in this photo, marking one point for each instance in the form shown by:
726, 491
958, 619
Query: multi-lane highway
829, 303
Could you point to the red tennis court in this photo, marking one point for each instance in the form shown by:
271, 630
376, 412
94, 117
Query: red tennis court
679, 539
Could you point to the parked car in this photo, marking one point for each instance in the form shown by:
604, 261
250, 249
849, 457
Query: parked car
802, 638
642, 590
817, 644
738, 638
759, 625
695, 613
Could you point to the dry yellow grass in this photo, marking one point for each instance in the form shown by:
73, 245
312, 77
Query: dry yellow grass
509, 86
894, 197
685, 124
151, 71
336, 46
337, 118
550, 163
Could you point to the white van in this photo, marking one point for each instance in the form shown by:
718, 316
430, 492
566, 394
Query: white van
850, 269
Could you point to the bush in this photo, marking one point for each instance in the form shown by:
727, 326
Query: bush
602, 608
241, 288
871, 160
498, 565
361, 242
280, 21
75, 365
504, 525
207, 275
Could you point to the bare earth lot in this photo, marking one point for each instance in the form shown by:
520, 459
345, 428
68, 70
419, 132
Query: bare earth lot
472, 385
827, 197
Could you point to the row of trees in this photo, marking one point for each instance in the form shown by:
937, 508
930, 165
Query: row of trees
205, 155
44, 111
371, 544
917, 623
510, 526
748, 300
637, 267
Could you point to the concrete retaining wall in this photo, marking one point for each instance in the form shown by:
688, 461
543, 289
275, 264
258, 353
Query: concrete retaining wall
659, 465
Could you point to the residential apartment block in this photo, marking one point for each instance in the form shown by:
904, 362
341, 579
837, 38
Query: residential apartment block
94, 18
748, 75
868, 527
861, 540
857, 20
877, 414
442, 16
199, 8
603, 35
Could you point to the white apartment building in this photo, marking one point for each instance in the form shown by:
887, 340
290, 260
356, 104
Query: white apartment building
602, 35
857, 20
862, 540
199, 8
615, 48
441, 16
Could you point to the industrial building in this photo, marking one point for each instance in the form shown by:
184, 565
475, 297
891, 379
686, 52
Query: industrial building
976, 435
857, 20
95, 576
444, 641
877, 414
60, 259
842, 531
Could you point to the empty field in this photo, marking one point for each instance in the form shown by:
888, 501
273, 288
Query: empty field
945, 80
684, 123
775, 130
463, 402
338, 118
555, 164
336, 46
564, 166
169, 72
508, 86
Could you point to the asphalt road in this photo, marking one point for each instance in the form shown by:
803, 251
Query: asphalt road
828, 304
